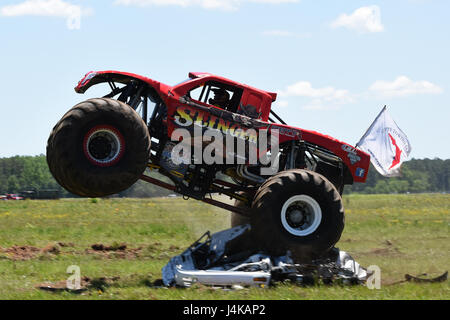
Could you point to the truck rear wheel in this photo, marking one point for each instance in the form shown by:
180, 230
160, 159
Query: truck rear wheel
300, 211
98, 148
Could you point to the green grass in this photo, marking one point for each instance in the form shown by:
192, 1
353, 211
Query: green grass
399, 233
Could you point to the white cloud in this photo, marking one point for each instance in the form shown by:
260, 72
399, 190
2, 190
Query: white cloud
205, 4
403, 86
331, 98
48, 8
321, 98
228, 5
362, 20
305, 89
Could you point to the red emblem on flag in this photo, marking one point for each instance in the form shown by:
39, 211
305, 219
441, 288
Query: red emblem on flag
398, 152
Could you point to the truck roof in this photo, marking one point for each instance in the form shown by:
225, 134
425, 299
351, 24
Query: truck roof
194, 75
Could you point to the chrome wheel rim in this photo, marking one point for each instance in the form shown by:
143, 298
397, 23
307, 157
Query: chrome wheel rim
301, 215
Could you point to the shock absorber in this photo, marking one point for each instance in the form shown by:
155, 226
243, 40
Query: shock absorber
301, 155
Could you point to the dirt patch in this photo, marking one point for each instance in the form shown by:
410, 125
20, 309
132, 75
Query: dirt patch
86, 283
380, 251
154, 247
51, 248
21, 252
108, 251
115, 251
385, 251
17, 252
114, 247
390, 250
66, 244
422, 278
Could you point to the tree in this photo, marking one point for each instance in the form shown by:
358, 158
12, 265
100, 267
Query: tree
22, 173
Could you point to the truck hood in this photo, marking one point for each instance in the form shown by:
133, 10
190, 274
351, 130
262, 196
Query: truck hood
95, 77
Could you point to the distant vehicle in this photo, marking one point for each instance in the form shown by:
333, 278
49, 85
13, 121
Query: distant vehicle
13, 196
3, 197
48, 194
28, 194
40, 194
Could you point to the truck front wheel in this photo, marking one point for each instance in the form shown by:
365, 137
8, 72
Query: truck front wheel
98, 148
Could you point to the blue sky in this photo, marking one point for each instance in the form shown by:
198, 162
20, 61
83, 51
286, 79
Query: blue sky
335, 64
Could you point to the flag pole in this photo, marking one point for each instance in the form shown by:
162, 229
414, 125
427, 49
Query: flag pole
370, 127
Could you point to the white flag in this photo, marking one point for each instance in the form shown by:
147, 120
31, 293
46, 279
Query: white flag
387, 145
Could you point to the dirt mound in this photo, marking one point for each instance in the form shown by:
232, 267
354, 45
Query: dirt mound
66, 244
114, 247
17, 252
51, 248
86, 283
21, 252
115, 251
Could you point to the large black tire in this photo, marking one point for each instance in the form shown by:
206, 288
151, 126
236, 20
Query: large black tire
98, 148
300, 211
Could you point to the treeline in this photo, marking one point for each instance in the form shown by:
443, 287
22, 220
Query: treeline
26, 173
22, 173
417, 175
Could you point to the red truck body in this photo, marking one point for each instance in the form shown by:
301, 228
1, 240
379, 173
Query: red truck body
356, 161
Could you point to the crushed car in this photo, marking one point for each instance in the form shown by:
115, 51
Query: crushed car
220, 260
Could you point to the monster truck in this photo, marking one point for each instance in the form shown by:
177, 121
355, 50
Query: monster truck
104, 145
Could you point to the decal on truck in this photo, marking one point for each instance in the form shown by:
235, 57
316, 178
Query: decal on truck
185, 116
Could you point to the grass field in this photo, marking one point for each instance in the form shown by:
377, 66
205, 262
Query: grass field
40, 239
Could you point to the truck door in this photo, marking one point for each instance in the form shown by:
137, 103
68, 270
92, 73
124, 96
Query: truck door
250, 105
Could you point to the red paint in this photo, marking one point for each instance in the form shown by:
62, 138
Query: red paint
398, 152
